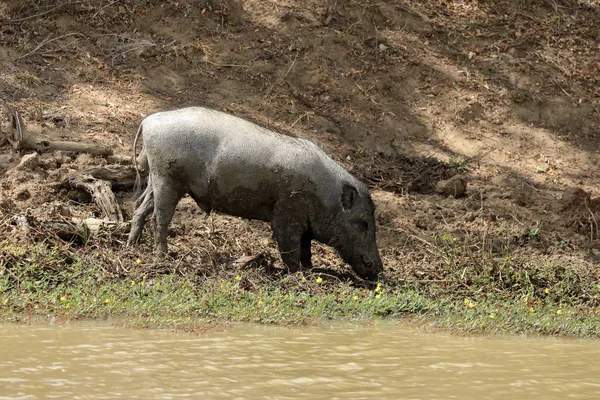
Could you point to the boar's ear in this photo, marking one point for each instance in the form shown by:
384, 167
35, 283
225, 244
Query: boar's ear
349, 194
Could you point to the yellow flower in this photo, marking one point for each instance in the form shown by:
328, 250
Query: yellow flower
558, 312
138, 261
378, 296
67, 305
471, 305
238, 278
260, 302
547, 291
319, 280
531, 309
467, 301
355, 297
5, 302
492, 315
379, 287
63, 298
107, 301
526, 299
132, 283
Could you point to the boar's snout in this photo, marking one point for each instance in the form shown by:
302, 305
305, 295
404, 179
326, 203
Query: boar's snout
375, 270
369, 269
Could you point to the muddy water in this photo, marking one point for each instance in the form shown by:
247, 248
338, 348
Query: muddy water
250, 362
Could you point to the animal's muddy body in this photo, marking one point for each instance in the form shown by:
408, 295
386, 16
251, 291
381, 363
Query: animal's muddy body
238, 168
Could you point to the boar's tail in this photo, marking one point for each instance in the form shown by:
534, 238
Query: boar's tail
138, 180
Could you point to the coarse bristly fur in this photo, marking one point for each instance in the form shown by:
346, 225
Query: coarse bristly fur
236, 167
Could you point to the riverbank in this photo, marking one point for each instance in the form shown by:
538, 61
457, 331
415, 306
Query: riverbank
476, 126
46, 281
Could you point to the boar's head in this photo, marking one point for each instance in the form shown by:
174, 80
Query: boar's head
353, 232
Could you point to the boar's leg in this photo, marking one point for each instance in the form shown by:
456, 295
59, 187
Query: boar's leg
147, 192
288, 241
139, 219
166, 197
305, 253
145, 205
293, 239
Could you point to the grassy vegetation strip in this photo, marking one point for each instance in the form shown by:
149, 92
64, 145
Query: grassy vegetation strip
42, 280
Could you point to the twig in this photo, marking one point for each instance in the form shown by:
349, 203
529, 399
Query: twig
46, 41
483, 247
128, 48
410, 234
103, 7
226, 65
328, 274
524, 181
291, 66
594, 219
350, 27
436, 281
367, 95
49, 11
567, 93
132, 48
307, 114
376, 33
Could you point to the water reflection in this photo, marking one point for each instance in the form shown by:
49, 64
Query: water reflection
248, 361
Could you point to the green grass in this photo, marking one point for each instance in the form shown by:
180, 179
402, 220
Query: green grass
459, 163
45, 281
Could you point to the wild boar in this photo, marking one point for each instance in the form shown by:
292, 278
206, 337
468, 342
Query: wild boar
233, 166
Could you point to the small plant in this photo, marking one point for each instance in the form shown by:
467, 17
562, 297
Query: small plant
459, 163
448, 239
534, 233
502, 228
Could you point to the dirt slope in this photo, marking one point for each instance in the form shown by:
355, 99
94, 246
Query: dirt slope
402, 93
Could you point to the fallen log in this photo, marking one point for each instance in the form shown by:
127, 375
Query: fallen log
74, 231
101, 193
121, 177
20, 139
69, 232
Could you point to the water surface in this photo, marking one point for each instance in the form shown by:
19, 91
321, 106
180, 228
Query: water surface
384, 361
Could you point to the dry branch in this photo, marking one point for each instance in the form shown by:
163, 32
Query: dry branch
121, 174
101, 193
21, 140
46, 41
58, 6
